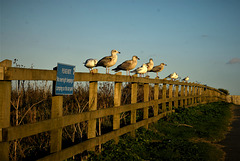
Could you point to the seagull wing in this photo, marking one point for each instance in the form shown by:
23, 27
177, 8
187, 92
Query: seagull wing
156, 69
104, 61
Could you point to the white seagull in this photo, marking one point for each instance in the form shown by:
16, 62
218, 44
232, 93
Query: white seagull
127, 65
186, 79
108, 61
90, 63
150, 64
140, 70
173, 76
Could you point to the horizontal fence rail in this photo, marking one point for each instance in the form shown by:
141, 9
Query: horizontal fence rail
191, 94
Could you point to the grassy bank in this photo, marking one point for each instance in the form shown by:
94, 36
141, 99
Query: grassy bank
188, 134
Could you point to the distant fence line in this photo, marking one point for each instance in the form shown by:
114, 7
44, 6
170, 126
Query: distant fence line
233, 99
191, 94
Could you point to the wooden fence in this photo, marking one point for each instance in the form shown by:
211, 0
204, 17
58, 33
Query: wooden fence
191, 94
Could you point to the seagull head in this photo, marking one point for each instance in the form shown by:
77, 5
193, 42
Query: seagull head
114, 52
144, 65
135, 58
163, 64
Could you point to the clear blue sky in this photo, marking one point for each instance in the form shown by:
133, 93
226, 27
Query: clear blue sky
198, 38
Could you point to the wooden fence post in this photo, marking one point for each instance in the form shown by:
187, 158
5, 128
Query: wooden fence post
211, 95
176, 95
182, 95
93, 86
133, 100
196, 94
117, 102
206, 95
193, 94
190, 94
216, 96
146, 99
156, 93
186, 93
164, 96
170, 96
200, 93
5, 105
203, 95
56, 134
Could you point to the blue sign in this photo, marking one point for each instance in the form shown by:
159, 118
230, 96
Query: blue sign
65, 79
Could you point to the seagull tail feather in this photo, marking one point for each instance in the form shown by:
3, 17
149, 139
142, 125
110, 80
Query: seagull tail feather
115, 69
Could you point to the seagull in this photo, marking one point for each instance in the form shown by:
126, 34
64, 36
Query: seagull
90, 63
150, 65
108, 61
186, 79
158, 68
127, 65
173, 76
140, 70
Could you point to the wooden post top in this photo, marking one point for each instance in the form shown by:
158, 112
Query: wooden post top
6, 63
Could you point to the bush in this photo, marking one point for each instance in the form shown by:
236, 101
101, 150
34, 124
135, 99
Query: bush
187, 134
224, 91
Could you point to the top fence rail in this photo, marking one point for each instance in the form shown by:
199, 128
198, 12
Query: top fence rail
13, 73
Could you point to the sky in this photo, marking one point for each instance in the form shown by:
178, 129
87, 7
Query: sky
195, 38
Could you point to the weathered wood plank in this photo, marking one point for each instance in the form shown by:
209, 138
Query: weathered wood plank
117, 102
5, 98
170, 96
164, 96
186, 93
182, 95
29, 74
176, 96
93, 86
156, 94
146, 99
13, 73
56, 134
134, 87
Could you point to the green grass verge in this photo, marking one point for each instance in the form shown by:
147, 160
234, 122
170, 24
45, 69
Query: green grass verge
188, 134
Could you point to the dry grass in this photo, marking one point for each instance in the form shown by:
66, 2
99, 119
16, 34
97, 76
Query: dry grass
31, 102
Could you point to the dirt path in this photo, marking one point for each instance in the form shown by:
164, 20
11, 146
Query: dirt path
232, 141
